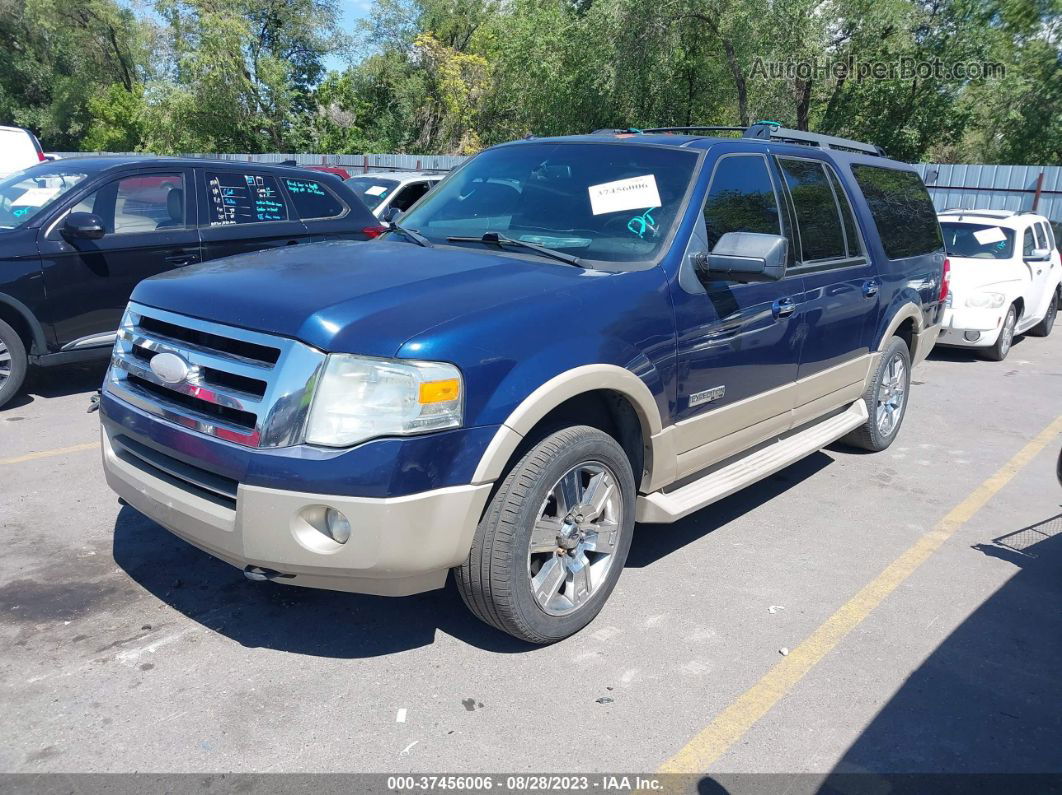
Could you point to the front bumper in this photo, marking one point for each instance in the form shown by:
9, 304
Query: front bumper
399, 545
970, 328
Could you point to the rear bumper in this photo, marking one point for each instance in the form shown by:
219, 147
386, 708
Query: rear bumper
398, 546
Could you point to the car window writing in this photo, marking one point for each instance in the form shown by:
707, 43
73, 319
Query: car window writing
234, 198
816, 210
312, 199
902, 211
741, 199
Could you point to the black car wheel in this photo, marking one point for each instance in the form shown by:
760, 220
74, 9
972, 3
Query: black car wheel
13, 363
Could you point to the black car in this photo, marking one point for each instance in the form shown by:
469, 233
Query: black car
77, 235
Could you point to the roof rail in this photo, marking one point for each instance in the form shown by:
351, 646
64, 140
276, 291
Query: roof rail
694, 128
773, 131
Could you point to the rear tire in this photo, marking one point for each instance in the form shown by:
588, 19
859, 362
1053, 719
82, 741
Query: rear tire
885, 398
13, 363
555, 536
999, 351
1043, 328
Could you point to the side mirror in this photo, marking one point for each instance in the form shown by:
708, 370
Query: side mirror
1039, 255
391, 215
746, 257
87, 226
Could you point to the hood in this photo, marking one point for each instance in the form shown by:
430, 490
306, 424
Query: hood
353, 297
972, 275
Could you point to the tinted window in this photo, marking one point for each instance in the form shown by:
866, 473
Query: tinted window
234, 198
611, 202
977, 241
1028, 244
1041, 241
741, 199
409, 195
851, 232
902, 210
816, 210
371, 190
312, 199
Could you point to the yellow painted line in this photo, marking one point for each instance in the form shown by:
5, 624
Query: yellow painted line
77, 448
730, 725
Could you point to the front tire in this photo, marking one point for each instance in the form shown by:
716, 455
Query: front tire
885, 398
1043, 328
13, 363
554, 538
999, 351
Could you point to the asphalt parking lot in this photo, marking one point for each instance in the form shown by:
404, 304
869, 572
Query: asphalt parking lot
916, 593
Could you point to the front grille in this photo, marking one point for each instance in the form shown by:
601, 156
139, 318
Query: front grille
242, 386
209, 485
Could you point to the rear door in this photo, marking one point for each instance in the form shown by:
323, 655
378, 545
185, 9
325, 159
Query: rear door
88, 282
243, 211
328, 209
841, 288
1041, 272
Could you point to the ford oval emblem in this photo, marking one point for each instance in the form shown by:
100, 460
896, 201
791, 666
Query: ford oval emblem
169, 367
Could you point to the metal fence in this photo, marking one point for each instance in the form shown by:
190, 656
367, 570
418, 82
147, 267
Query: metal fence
952, 186
1019, 188
353, 163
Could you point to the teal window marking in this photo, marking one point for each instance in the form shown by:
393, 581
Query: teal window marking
20, 211
640, 224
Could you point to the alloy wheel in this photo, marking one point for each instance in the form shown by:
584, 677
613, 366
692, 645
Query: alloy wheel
5, 363
1007, 334
892, 392
574, 538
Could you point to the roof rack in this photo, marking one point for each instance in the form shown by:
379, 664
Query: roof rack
984, 213
764, 130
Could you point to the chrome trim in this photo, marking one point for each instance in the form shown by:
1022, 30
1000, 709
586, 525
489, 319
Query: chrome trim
279, 414
91, 341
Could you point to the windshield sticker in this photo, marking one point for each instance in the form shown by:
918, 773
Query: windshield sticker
376, 190
992, 235
635, 193
640, 224
35, 197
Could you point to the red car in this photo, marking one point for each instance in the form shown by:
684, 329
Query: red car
339, 172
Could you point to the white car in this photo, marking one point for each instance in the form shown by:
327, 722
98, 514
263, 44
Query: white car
19, 149
398, 189
1005, 276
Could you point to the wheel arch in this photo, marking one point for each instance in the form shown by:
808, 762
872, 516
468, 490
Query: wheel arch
600, 380
17, 315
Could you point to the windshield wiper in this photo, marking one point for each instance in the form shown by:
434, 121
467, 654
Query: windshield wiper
493, 238
412, 234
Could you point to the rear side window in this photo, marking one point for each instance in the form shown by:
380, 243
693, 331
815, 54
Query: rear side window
741, 199
902, 210
234, 198
1041, 240
821, 237
851, 232
312, 199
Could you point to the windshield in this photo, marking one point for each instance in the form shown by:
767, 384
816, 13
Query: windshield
372, 190
612, 202
978, 241
26, 193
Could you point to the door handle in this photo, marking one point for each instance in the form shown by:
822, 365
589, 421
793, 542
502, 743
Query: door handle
870, 288
182, 259
783, 307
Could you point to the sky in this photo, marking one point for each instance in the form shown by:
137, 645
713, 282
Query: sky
352, 12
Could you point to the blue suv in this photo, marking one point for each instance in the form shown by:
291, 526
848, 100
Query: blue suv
567, 336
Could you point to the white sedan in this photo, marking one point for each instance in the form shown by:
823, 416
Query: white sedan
1005, 279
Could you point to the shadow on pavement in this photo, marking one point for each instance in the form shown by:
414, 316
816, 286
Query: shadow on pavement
987, 700
334, 624
59, 381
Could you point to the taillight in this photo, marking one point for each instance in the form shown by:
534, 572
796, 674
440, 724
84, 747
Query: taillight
945, 281
372, 232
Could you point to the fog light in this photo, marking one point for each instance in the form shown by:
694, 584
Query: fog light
972, 336
338, 526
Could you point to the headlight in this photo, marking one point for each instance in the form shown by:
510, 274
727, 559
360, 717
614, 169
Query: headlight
986, 300
358, 398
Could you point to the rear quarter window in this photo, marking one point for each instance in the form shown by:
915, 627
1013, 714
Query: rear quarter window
901, 209
312, 199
